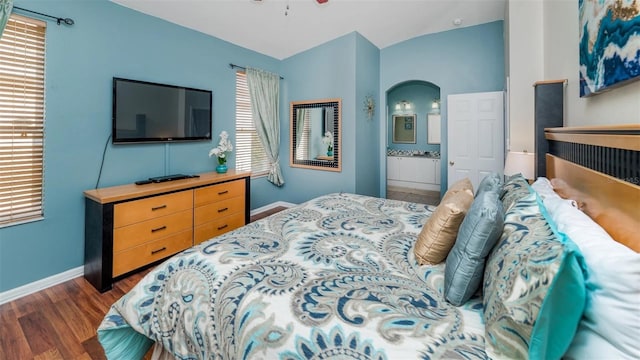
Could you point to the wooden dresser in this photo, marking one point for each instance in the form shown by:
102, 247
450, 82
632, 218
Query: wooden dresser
130, 226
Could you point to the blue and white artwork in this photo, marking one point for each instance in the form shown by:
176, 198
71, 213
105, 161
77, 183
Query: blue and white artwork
609, 44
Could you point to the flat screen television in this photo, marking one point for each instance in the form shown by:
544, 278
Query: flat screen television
145, 112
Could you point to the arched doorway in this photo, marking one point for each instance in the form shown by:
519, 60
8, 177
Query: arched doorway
413, 157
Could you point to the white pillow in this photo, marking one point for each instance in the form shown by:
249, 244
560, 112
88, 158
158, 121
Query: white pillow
610, 327
544, 188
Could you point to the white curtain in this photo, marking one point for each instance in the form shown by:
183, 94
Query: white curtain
5, 11
264, 91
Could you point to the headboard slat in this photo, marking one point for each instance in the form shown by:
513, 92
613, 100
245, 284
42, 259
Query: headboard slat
629, 142
601, 168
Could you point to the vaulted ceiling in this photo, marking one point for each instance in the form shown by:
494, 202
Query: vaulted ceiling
282, 28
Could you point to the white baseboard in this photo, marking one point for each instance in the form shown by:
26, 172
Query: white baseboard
272, 206
50, 281
42, 284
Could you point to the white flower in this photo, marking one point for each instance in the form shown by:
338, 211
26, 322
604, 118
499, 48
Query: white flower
327, 139
224, 147
214, 152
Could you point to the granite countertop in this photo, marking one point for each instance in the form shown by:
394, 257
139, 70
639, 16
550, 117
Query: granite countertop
414, 153
429, 156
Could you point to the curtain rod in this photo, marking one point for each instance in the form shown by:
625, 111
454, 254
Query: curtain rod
59, 20
234, 66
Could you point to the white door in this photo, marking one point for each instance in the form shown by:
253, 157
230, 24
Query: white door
475, 136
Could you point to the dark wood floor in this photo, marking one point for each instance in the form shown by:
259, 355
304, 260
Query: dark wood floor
266, 213
61, 322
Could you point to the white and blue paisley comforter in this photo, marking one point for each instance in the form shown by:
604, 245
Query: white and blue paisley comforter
332, 278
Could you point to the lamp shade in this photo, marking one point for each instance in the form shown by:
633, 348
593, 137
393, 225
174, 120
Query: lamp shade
520, 162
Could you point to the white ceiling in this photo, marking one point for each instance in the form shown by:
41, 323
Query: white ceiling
262, 26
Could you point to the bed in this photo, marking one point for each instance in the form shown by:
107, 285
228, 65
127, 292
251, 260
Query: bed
356, 277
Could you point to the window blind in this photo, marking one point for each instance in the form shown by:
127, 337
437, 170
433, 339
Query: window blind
22, 49
302, 152
250, 155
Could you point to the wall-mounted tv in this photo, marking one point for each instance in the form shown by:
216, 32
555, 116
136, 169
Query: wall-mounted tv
149, 112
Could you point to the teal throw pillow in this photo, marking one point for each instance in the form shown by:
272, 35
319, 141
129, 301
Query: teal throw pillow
491, 182
478, 232
515, 188
534, 287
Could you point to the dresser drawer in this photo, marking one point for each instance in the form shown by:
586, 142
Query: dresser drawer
133, 235
138, 256
213, 193
139, 210
214, 210
217, 227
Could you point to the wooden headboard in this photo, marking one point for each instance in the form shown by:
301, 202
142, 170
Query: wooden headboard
599, 167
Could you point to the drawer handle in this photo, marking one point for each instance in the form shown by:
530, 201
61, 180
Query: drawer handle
223, 209
223, 192
158, 229
153, 252
222, 227
158, 207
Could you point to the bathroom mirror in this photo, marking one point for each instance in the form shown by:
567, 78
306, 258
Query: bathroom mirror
433, 129
404, 129
311, 146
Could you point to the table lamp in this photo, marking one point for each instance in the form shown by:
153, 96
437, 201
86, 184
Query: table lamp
520, 162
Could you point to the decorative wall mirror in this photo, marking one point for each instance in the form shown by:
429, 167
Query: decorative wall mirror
404, 129
311, 146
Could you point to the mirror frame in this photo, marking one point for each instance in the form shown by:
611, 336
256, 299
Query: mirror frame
329, 164
412, 124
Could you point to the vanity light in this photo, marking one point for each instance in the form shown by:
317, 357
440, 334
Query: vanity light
403, 105
435, 104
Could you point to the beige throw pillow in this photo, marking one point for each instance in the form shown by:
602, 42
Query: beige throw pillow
441, 229
456, 187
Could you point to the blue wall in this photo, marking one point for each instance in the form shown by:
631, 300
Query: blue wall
459, 61
345, 68
325, 71
108, 40
367, 130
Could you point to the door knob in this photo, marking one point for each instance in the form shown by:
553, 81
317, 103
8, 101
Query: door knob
451, 163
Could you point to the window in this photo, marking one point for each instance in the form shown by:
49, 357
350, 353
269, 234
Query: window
250, 155
22, 49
